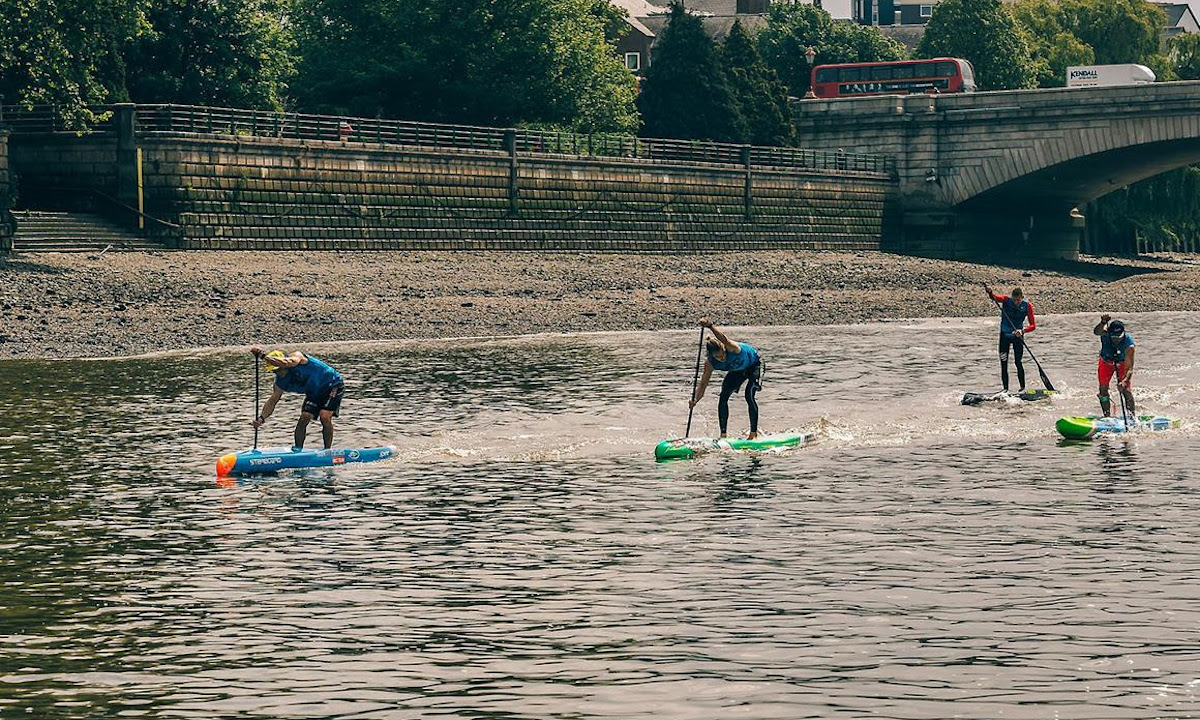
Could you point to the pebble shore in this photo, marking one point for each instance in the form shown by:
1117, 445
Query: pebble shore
57, 305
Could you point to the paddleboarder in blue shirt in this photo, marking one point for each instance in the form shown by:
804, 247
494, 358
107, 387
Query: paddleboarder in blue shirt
1116, 357
321, 386
741, 364
1016, 321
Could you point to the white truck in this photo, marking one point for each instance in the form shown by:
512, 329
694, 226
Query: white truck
1108, 75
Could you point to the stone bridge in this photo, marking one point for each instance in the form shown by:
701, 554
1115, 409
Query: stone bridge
1005, 173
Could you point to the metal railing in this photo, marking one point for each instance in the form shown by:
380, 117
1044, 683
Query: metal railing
307, 126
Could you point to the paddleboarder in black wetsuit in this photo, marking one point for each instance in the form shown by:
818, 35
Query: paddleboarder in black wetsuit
741, 364
321, 385
1015, 310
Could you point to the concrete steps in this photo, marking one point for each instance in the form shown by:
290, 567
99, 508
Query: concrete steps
45, 231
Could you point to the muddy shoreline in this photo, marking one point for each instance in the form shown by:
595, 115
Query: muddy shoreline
58, 305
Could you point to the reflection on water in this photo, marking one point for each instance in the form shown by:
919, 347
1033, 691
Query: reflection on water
526, 557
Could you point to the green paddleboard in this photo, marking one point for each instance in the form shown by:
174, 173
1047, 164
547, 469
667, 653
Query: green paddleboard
685, 448
1082, 427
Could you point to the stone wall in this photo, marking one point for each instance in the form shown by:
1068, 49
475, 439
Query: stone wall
61, 171
6, 188
231, 192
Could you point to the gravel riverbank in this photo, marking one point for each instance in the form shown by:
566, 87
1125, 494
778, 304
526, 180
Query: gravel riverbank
86, 305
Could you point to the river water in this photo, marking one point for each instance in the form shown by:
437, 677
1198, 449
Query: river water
525, 557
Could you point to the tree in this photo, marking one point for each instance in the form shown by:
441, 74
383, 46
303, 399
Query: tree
760, 98
485, 62
218, 52
792, 28
685, 94
1053, 47
1184, 52
1120, 31
984, 32
66, 53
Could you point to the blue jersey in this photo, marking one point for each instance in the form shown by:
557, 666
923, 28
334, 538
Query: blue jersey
1013, 314
1114, 351
736, 361
309, 378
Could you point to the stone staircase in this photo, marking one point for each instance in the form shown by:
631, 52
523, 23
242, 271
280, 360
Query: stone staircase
46, 231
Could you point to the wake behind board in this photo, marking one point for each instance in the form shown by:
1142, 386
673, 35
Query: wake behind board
269, 460
1083, 427
686, 448
1028, 395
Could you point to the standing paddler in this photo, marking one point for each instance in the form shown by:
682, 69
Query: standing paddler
1016, 320
321, 386
741, 364
1116, 357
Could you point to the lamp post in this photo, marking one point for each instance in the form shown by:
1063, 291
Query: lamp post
810, 54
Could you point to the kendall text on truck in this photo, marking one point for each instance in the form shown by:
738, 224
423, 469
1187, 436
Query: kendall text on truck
1108, 75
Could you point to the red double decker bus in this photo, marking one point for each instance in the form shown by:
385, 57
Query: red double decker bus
895, 77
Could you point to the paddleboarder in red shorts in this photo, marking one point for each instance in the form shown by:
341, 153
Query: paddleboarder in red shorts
1116, 357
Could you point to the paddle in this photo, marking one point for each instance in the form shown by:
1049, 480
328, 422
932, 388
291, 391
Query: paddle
695, 383
1042, 373
256, 394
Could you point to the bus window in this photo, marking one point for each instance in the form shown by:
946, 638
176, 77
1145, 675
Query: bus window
882, 72
903, 72
850, 74
825, 75
946, 69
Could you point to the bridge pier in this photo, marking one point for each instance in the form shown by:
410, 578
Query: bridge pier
1009, 236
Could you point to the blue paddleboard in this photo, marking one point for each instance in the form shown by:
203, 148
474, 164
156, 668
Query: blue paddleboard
269, 460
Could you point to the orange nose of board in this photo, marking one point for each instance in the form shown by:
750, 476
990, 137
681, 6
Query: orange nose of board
225, 464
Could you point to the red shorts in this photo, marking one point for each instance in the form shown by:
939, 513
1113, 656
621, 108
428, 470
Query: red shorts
1104, 371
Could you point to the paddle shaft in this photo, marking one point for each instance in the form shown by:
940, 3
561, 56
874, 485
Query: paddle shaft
695, 383
1120, 393
1042, 373
256, 395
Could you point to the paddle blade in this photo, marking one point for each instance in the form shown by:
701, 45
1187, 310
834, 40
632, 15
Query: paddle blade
1045, 380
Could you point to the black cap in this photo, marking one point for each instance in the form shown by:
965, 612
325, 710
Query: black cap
1116, 327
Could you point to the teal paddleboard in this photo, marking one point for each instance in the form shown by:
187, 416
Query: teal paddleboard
685, 448
1083, 427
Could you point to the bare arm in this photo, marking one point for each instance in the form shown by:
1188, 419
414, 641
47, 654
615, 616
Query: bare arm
703, 384
730, 346
1100, 326
268, 407
1129, 352
290, 361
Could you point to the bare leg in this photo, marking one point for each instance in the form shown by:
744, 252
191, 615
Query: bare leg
327, 428
1105, 401
302, 429
1129, 406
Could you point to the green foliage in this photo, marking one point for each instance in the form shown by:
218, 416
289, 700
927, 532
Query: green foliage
1184, 53
685, 94
792, 28
218, 52
1120, 31
1053, 47
486, 62
1162, 212
1087, 32
66, 52
986, 33
761, 99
